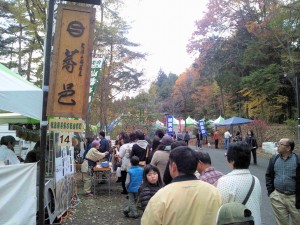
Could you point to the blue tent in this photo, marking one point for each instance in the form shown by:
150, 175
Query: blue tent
234, 121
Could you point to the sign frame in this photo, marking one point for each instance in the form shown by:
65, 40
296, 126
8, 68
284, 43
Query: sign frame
65, 125
93, 2
170, 127
80, 108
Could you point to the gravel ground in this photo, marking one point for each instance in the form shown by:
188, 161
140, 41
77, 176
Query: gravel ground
102, 209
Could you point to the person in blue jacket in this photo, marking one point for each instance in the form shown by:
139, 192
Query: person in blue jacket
133, 182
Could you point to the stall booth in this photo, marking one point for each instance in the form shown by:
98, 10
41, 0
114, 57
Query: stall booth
21, 104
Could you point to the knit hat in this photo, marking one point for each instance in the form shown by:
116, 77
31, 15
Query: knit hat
167, 140
233, 212
95, 143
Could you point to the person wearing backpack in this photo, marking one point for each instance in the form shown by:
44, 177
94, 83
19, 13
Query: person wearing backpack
283, 183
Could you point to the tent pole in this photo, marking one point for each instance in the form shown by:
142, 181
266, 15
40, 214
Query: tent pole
240, 129
44, 122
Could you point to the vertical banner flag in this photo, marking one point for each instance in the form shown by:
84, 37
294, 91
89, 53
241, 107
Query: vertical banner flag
202, 128
170, 124
97, 64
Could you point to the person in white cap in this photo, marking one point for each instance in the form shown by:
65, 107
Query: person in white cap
234, 213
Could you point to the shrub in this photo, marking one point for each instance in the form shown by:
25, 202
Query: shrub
259, 127
292, 125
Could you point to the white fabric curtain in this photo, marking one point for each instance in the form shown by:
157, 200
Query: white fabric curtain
18, 202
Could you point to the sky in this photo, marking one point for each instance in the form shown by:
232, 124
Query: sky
163, 28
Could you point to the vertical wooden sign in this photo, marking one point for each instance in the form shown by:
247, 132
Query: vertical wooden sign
71, 62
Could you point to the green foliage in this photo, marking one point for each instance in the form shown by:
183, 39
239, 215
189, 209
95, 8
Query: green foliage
165, 84
23, 33
292, 126
260, 90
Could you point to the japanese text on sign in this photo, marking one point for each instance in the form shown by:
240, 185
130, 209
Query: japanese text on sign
170, 124
202, 128
71, 66
66, 125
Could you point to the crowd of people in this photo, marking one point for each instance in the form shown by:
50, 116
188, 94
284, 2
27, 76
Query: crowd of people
166, 181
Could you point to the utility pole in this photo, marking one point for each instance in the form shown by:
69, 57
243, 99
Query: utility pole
297, 76
44, 122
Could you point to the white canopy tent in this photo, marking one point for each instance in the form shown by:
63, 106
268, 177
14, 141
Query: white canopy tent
15, 118
220, 119
18, 95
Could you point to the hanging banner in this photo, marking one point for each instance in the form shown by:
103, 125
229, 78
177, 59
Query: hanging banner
170, 124
202, 128
71, 63
97, 64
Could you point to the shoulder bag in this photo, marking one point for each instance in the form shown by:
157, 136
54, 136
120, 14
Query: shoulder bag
249, 192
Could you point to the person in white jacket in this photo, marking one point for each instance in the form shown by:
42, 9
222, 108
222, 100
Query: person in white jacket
7, 155
240, 185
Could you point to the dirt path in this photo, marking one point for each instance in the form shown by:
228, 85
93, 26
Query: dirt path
101, 209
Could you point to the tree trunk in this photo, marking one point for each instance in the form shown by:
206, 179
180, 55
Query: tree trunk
29, 61
20, 50
222, 101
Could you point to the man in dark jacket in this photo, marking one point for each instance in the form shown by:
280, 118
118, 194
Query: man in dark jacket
187, 137
283, 183
104, 144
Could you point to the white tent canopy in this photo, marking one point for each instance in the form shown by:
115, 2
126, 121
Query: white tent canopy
18, 95
158, 123
175, 121
15, 118
190, 121
219, 120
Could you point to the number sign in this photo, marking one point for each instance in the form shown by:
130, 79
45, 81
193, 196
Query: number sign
65, 139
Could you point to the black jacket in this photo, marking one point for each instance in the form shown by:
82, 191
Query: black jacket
145, 193
251, 141
140, 152
270, 175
